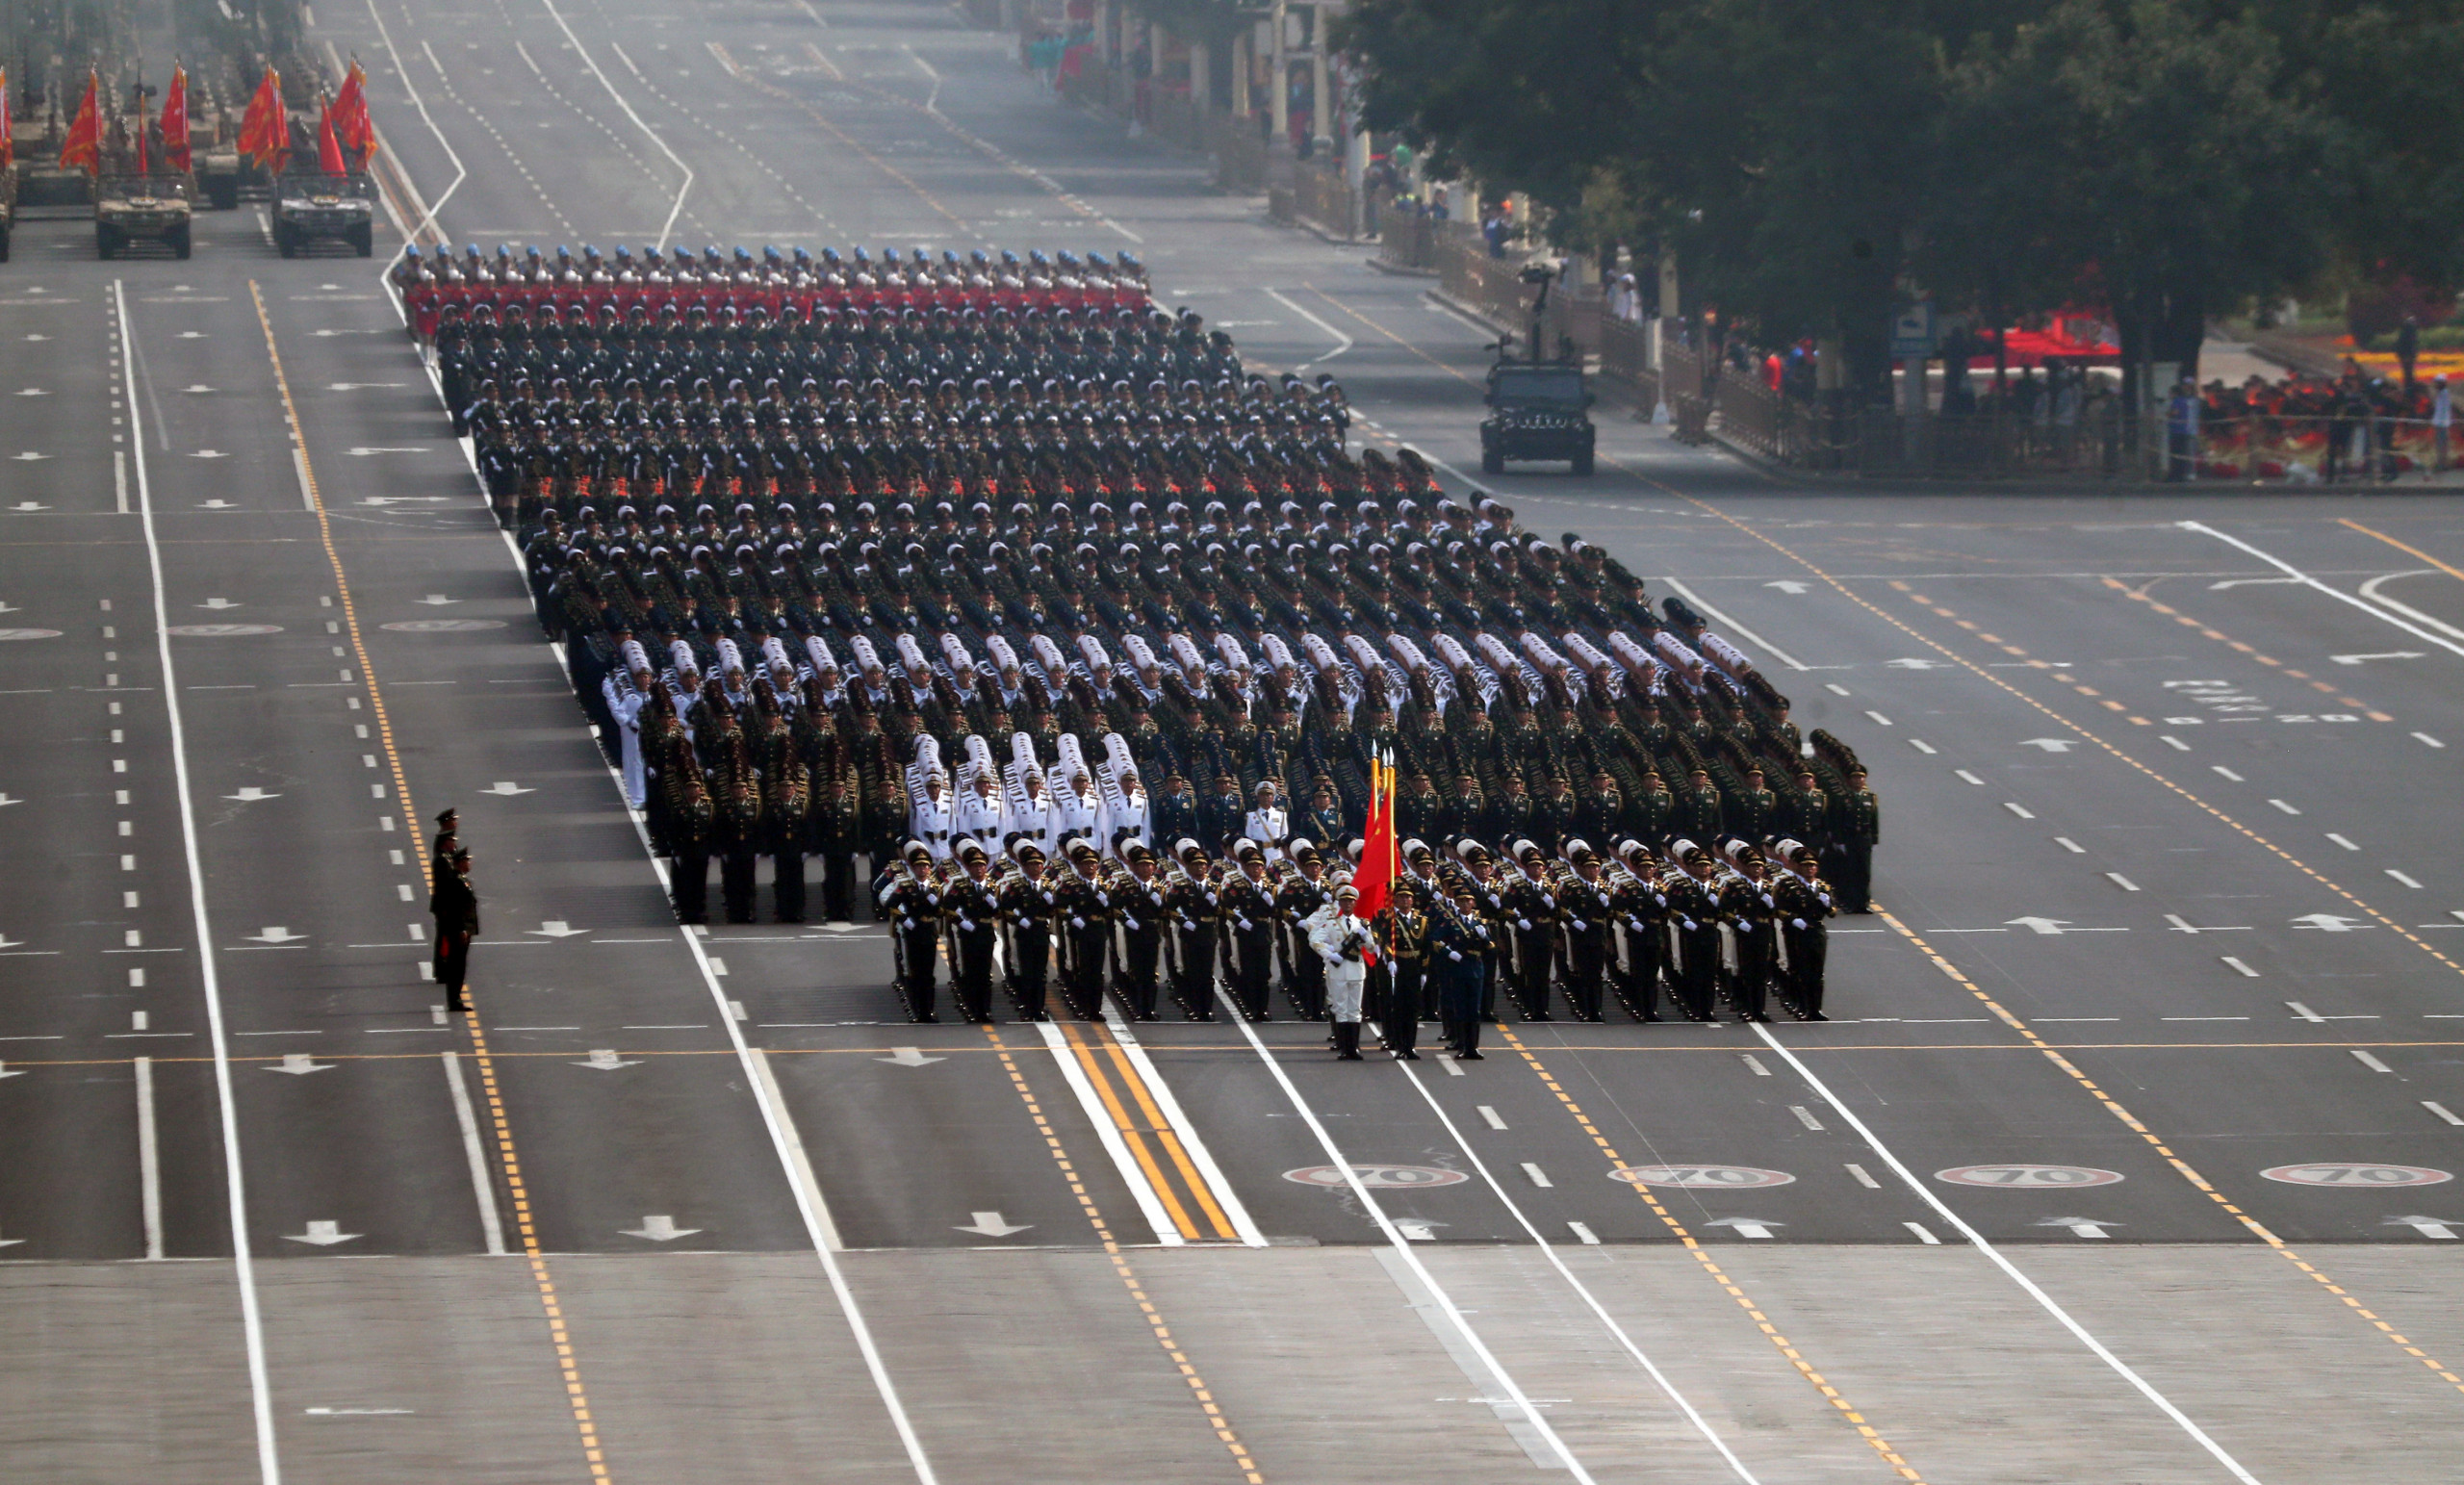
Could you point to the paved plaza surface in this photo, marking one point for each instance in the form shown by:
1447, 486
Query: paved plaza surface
2126, 1156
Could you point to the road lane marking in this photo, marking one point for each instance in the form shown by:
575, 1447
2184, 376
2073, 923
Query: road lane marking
1400, 1244
1120, 1137
491, 1221
560, 1338
1121, 1269
2028, 1285
1872, 1436
2306, 581
235, 1188
1180, 1136
149, 1160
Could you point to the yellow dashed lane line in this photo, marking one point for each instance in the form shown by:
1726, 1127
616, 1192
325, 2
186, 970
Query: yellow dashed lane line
509, 1158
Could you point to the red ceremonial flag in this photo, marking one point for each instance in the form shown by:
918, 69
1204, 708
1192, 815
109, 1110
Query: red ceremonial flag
175, 121
352, 124
84, 144
329, 150
1375, 879
265, 137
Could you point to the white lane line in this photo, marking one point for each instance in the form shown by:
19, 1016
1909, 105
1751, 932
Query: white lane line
2028, 1285
2289, 809
428, 217
1922, 1235
1491, 1117
2121, 881
1345, 342
2175, 743
1549, 1250
1732, 627
1921, 746
149, 1160
1538, 1176
2304, 1011
799, 1164
482, 1190
2342, 841
2404, 879
1806, 1117
2443, 1112
1968, 777
1107, 1134
2370, 1061
1402, 1246
669, 229
235, 1194
2070, 845
1864, 1178
2306, 581
2016, 808
2427, 740
766, 1097
2240, 968
1236, 1210
1583, 1234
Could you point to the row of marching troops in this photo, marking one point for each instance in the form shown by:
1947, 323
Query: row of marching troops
776, 282
1690, 927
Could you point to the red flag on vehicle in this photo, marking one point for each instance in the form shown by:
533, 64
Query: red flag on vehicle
352, 126
8, 134
175, 121
329, 150
265, 136
83, 145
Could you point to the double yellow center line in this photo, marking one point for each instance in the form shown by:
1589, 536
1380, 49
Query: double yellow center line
1132, 1107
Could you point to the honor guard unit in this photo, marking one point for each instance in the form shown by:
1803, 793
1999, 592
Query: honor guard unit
997, 575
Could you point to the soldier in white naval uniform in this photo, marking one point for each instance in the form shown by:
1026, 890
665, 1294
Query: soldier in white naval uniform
1268, 823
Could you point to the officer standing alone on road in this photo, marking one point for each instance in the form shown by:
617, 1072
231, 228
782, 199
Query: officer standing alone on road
1341, 940
455, 907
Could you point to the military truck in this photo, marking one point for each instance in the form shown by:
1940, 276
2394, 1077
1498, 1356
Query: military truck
131, 209
311, 207
1537, 410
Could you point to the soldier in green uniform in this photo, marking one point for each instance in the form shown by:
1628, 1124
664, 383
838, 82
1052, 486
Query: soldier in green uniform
1589, 920
1027, 909
1804, 814
1466, 937
1302, 892
837, 829
1197, 923
1697, 808
1855, 827
1805, 902
1083, 901
1750, 811
1407, 932
1139, 900
911, 898
973, 905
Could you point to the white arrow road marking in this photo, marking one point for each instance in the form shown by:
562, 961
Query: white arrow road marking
606, 1060
2049, 744
217, 504
10, 1243
323, 1235
2426, 1226
2328, 923
2392, 654
2082, 1226
659, 1228
1417, 1229
2182, 925
505, 787
208, 454
28, 507
250, 794
1788, 585
200, 388
354, 385
33, 392
363, 452
30, 456
1914, 662
1746, 1227
277, 934
438, 600
2052, 926
191, 335
6, 801
6, 1071
219, 603
406, 499
990, 1226
300, 1063
909, 1057
328, 334
557, 928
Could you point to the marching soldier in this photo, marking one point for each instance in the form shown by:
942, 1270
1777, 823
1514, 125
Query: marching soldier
1143, 913
1302, 892
910, 899
1589, 919
1248, 921
1805, 812
1856, 827
838, 827
1532, 907
1082, 900
1747, 907
1751, 810
1805, 902
1197, 920
1489, 891
1693, 931
1267, 823
1027, 909
1468, 936
786, 805
1641, 910
1407, 948
973, 905
1342, 942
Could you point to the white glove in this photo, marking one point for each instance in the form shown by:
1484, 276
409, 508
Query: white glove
1767, 902
1077, 922
1826, 898
1690, 922
1242, 921
1799, 923
1132, 924
1524, 923
1634, 924
1744, 927
1456, 955
1212, 899
1581, 927
966, 925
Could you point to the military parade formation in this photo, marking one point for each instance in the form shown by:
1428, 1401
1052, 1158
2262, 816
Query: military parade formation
1104, 653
